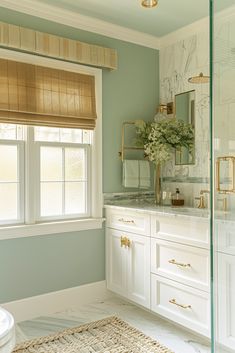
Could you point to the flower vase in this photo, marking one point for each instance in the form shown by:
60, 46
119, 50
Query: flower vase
158, 192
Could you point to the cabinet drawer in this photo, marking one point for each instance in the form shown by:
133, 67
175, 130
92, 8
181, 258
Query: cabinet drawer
182, 229
182, 304
134, 222
186, 264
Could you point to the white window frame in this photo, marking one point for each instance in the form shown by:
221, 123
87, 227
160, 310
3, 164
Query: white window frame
31, 228
87, 148
20, 177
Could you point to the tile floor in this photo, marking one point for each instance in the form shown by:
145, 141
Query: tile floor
175, 338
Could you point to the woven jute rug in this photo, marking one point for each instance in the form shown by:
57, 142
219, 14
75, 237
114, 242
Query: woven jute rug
110, 335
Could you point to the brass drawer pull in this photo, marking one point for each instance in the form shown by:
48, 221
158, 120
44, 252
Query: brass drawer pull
125, 242
174, 302
173, 262
126, 221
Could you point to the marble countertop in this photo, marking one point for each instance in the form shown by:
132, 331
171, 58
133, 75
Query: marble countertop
148, 205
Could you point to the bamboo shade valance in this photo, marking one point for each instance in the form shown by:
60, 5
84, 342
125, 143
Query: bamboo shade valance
37, 95
45, 44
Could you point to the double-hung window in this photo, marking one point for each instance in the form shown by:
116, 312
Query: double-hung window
45, 174
50, 146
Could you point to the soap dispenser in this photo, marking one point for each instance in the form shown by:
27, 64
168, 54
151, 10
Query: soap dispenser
177, 198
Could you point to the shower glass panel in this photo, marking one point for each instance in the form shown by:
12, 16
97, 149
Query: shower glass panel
223, 139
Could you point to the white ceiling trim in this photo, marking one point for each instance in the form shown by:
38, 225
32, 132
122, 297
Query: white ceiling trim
86, 23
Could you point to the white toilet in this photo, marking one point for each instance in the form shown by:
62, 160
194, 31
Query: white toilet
7, 332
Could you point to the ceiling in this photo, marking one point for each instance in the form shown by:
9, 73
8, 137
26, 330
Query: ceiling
167, 17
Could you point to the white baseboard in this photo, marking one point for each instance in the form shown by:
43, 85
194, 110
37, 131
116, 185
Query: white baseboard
52, 302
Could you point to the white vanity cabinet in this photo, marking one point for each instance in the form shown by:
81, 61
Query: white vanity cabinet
167, 253
128, 260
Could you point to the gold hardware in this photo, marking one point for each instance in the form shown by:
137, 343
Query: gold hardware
199, 79
173, 262
202, 201
126, 221
123, 147
173, 301
128, 243
125, 242
225, 203
149, 3
218, 188
202, 198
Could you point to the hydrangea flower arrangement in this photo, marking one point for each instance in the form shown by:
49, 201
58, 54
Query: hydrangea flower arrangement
160, 138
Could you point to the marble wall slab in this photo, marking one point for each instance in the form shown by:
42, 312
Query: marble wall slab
189, 57
178, 62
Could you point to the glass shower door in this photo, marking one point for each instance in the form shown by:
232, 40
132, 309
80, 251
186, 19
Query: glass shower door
223, 164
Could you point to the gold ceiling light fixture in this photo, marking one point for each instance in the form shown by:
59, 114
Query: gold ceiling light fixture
199, 79
149, 3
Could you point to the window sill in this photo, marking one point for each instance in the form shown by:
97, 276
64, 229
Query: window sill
29, 230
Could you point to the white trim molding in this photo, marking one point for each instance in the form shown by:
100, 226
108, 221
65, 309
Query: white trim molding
49, 303
86, 23
60, 227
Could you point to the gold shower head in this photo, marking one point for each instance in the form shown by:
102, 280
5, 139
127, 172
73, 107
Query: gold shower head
199, 79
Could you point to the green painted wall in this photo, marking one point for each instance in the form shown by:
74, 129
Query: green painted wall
40, 264
131, 92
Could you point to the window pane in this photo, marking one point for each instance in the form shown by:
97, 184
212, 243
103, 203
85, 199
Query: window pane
62, 135
51, 163
8, 201
51, 199
8, 163
75, 164
75, 196
47, 134
11, 132
71, 135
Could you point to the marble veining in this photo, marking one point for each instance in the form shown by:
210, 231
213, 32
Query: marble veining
172, 336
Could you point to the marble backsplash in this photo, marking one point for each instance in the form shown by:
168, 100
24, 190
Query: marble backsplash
178, 62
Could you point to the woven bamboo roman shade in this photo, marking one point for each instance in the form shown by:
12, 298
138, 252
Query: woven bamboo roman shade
37, 95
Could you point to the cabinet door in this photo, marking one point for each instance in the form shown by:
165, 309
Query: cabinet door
116, 264
226, 300
138, 276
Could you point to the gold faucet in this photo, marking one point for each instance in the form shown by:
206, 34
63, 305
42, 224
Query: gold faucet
225, 203
202, 198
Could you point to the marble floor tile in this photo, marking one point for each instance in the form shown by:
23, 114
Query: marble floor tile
170, 335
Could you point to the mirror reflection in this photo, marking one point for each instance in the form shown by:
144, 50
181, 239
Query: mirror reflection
185, 110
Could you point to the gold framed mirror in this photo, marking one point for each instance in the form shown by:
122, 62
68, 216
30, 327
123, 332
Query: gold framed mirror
184, 109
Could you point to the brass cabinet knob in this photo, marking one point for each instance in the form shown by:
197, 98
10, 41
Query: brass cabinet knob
125, 242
